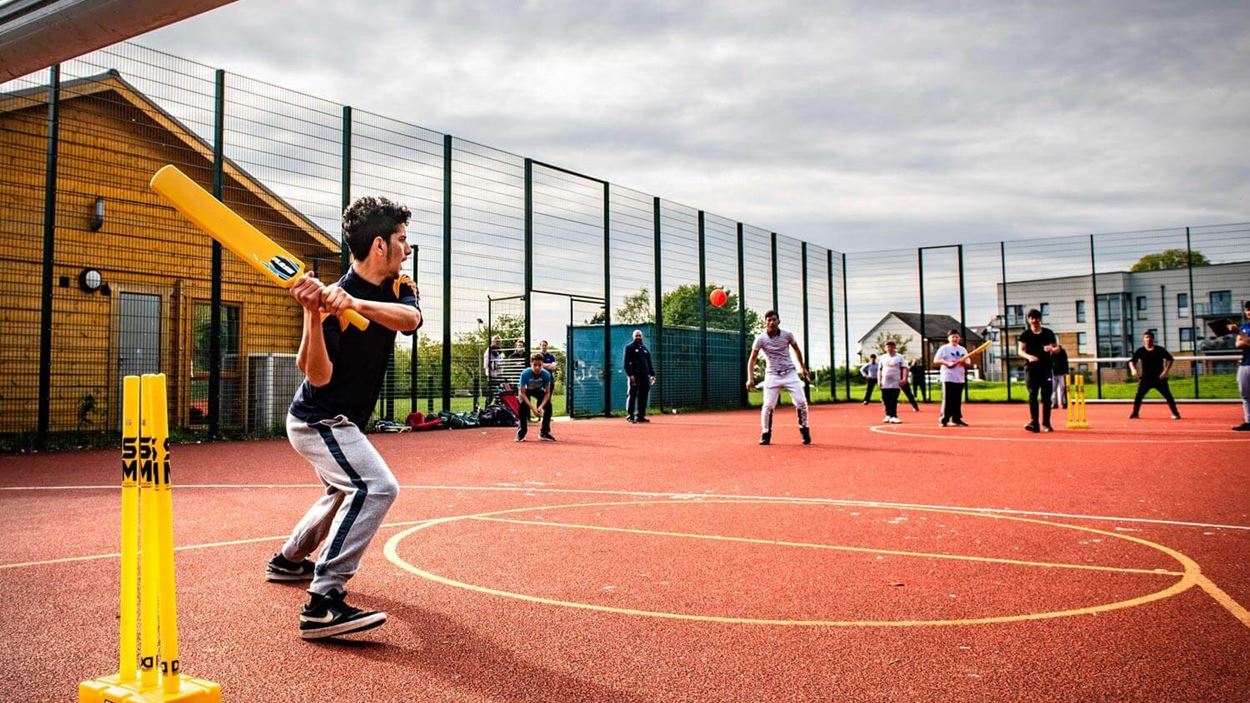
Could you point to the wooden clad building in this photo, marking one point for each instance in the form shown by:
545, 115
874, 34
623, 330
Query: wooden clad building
131, 277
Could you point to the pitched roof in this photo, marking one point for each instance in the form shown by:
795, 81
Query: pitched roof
113, 81
937, 325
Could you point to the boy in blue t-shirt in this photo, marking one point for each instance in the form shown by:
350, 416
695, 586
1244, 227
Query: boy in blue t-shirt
535, 391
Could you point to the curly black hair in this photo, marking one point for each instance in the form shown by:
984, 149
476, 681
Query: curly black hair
369, 218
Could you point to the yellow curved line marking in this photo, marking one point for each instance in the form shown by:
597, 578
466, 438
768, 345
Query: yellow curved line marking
834, 547
1192, 575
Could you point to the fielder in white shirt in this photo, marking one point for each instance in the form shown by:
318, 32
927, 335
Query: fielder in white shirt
781, 373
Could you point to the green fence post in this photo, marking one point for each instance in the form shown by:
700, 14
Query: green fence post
846, 326
657, 358
607, 300
703, 378
963, 327
1193, 318
833, 346
1004, 329
743, 398
924, 325
1093, 279
446, 380
345, 187
807, 351
775, 297
214, 321
529, 244
49, 249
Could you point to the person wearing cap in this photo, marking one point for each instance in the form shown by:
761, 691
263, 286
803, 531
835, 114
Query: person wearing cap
1036, 344
1151, 363
1243, 371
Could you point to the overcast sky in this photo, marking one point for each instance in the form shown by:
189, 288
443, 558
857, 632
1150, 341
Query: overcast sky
855, 128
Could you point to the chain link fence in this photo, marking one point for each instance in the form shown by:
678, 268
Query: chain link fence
101, 279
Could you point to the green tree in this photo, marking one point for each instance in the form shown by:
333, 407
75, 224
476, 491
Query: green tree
681, 307
1170, 259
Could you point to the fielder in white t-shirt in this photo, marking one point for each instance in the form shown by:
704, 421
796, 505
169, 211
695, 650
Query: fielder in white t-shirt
776, 344
953, 358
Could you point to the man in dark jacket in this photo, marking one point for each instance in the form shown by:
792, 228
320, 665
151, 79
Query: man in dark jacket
640, 374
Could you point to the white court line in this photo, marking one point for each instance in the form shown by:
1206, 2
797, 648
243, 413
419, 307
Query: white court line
674, 495
958, 433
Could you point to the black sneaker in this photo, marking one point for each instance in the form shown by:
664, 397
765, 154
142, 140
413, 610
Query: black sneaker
643, 420
1047, 428
546, 438
520, 438
282, 569
1133, 416
1176, 416
766, 438
961, 423
1032, 427
329, 616
807, 435
1243, 427
630, 419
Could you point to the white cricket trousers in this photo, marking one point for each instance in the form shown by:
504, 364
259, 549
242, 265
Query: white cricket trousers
773, 385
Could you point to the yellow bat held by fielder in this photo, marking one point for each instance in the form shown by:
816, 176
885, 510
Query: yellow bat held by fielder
234, 232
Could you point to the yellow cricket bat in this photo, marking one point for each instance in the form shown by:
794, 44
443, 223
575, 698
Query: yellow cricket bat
234, 232
978, 350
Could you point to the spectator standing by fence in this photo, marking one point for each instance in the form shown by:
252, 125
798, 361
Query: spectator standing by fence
869, 372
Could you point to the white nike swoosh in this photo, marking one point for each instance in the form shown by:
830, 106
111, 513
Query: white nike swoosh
328, 617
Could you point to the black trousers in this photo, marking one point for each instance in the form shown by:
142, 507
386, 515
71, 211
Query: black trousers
872, 383
537, 397
952, 401
1040, 382
889, 396
636, 401
1160, 384
911, 396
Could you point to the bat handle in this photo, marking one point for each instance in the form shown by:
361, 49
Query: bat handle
355, 319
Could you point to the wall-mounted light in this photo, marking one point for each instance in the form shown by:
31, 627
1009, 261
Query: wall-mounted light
97, 218
90, 280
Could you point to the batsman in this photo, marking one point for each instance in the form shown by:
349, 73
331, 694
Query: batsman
344, 368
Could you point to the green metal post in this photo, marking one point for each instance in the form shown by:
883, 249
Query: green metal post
1193, 308
807, 352
607, 300
446, 380
743, 399
703, 314
657, 359
924, 325
846, 326
833, 351
49, 249
214, 321
529, 244
345, 188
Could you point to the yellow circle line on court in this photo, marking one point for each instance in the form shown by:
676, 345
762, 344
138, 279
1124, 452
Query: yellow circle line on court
1191, 576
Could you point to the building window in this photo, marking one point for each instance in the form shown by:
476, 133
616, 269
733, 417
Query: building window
1221, 302
1182, 305
1045, 310
1187, 338
1080, 311
1015, 315
1082, 339
1143, 306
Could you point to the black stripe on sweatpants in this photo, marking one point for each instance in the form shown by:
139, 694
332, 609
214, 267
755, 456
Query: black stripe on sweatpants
358, 501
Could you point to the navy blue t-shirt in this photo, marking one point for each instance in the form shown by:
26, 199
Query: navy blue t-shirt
360, 358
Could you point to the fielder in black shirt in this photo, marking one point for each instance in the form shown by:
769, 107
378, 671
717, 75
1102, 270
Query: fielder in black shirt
1036, 344
1151, 364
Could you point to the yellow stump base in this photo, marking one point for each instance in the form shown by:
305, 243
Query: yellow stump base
108, 689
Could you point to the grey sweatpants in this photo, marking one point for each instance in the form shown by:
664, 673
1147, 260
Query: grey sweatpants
1243, 384
359, 489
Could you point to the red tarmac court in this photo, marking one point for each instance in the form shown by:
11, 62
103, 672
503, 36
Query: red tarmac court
679, 561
